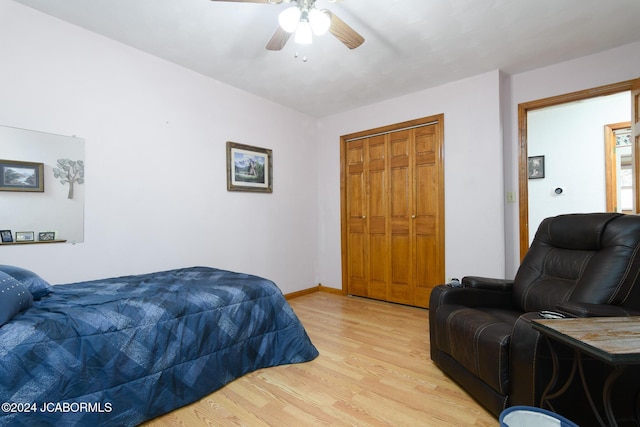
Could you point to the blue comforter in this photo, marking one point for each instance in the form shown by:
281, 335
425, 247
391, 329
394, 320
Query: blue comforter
123, 350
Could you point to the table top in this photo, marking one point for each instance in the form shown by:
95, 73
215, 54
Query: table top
614, 340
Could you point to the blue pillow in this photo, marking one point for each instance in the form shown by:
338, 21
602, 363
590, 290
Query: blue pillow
14, 298
34, 283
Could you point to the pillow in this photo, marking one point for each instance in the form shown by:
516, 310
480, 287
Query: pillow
34, 283
14, 298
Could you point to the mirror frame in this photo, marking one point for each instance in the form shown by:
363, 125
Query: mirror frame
523, 179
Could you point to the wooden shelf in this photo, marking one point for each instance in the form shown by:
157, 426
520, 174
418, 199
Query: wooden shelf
35, 242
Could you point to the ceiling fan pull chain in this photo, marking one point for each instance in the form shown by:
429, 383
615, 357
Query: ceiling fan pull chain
304, 57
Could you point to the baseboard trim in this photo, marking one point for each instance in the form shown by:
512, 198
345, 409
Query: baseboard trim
318, 288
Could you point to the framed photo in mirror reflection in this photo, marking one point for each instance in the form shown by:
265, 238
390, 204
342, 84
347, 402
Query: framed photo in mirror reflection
24, 236
46, 236
6, 236
17, 175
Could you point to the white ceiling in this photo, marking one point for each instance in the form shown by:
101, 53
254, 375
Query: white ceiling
410, 44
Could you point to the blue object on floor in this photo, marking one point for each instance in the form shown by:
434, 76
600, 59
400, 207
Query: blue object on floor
528, 416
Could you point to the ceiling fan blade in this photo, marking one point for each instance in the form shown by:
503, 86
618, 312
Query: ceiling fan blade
252, 1
279, 39
345, 33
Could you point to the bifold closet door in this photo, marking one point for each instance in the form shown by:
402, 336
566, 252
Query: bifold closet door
368, 243
394, 195
428, 222
417, 264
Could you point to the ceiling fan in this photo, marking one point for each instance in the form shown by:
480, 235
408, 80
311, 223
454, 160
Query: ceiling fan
304, 20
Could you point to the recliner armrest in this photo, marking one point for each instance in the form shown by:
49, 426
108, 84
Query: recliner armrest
487, 283
469, 297
581, 309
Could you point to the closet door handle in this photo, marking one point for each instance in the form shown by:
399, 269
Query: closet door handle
413, 216
364, 217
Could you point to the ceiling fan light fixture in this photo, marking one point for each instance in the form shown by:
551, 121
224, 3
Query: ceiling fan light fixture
320, 21
289, 19
304, 35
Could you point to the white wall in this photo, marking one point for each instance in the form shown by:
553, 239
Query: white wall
612, 66
474, 233
155, 136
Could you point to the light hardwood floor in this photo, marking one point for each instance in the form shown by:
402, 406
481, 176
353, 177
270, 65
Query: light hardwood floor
373, 370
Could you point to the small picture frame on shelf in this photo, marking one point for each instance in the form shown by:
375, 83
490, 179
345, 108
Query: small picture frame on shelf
24, 236
6, 236
46, 236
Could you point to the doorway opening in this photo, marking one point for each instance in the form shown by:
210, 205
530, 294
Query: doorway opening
526, 223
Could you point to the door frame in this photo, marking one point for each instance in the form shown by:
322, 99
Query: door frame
439, 119
523, 178
611, 175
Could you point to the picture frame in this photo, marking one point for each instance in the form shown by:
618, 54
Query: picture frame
249, 168
46, 236
6, 236
17, 175
24, 236
535, 167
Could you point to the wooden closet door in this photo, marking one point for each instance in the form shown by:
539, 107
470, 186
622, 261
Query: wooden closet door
400, 257
428, 233
417, 259
367, 203
357, 236
393, 237
377, 214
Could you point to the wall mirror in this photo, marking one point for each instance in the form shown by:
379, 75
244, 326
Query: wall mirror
585, 142
41, 187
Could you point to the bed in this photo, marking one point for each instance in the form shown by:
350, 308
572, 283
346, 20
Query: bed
119, 351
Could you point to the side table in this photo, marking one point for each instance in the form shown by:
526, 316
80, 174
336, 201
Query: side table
612, 340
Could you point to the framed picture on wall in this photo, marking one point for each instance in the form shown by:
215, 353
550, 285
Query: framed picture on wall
21, 176
249, 168
536, 167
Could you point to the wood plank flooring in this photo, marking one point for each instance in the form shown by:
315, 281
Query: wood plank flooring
373, 370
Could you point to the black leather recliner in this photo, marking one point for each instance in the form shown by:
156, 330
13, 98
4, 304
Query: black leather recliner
481, 334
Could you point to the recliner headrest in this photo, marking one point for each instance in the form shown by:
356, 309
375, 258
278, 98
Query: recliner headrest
576, 231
